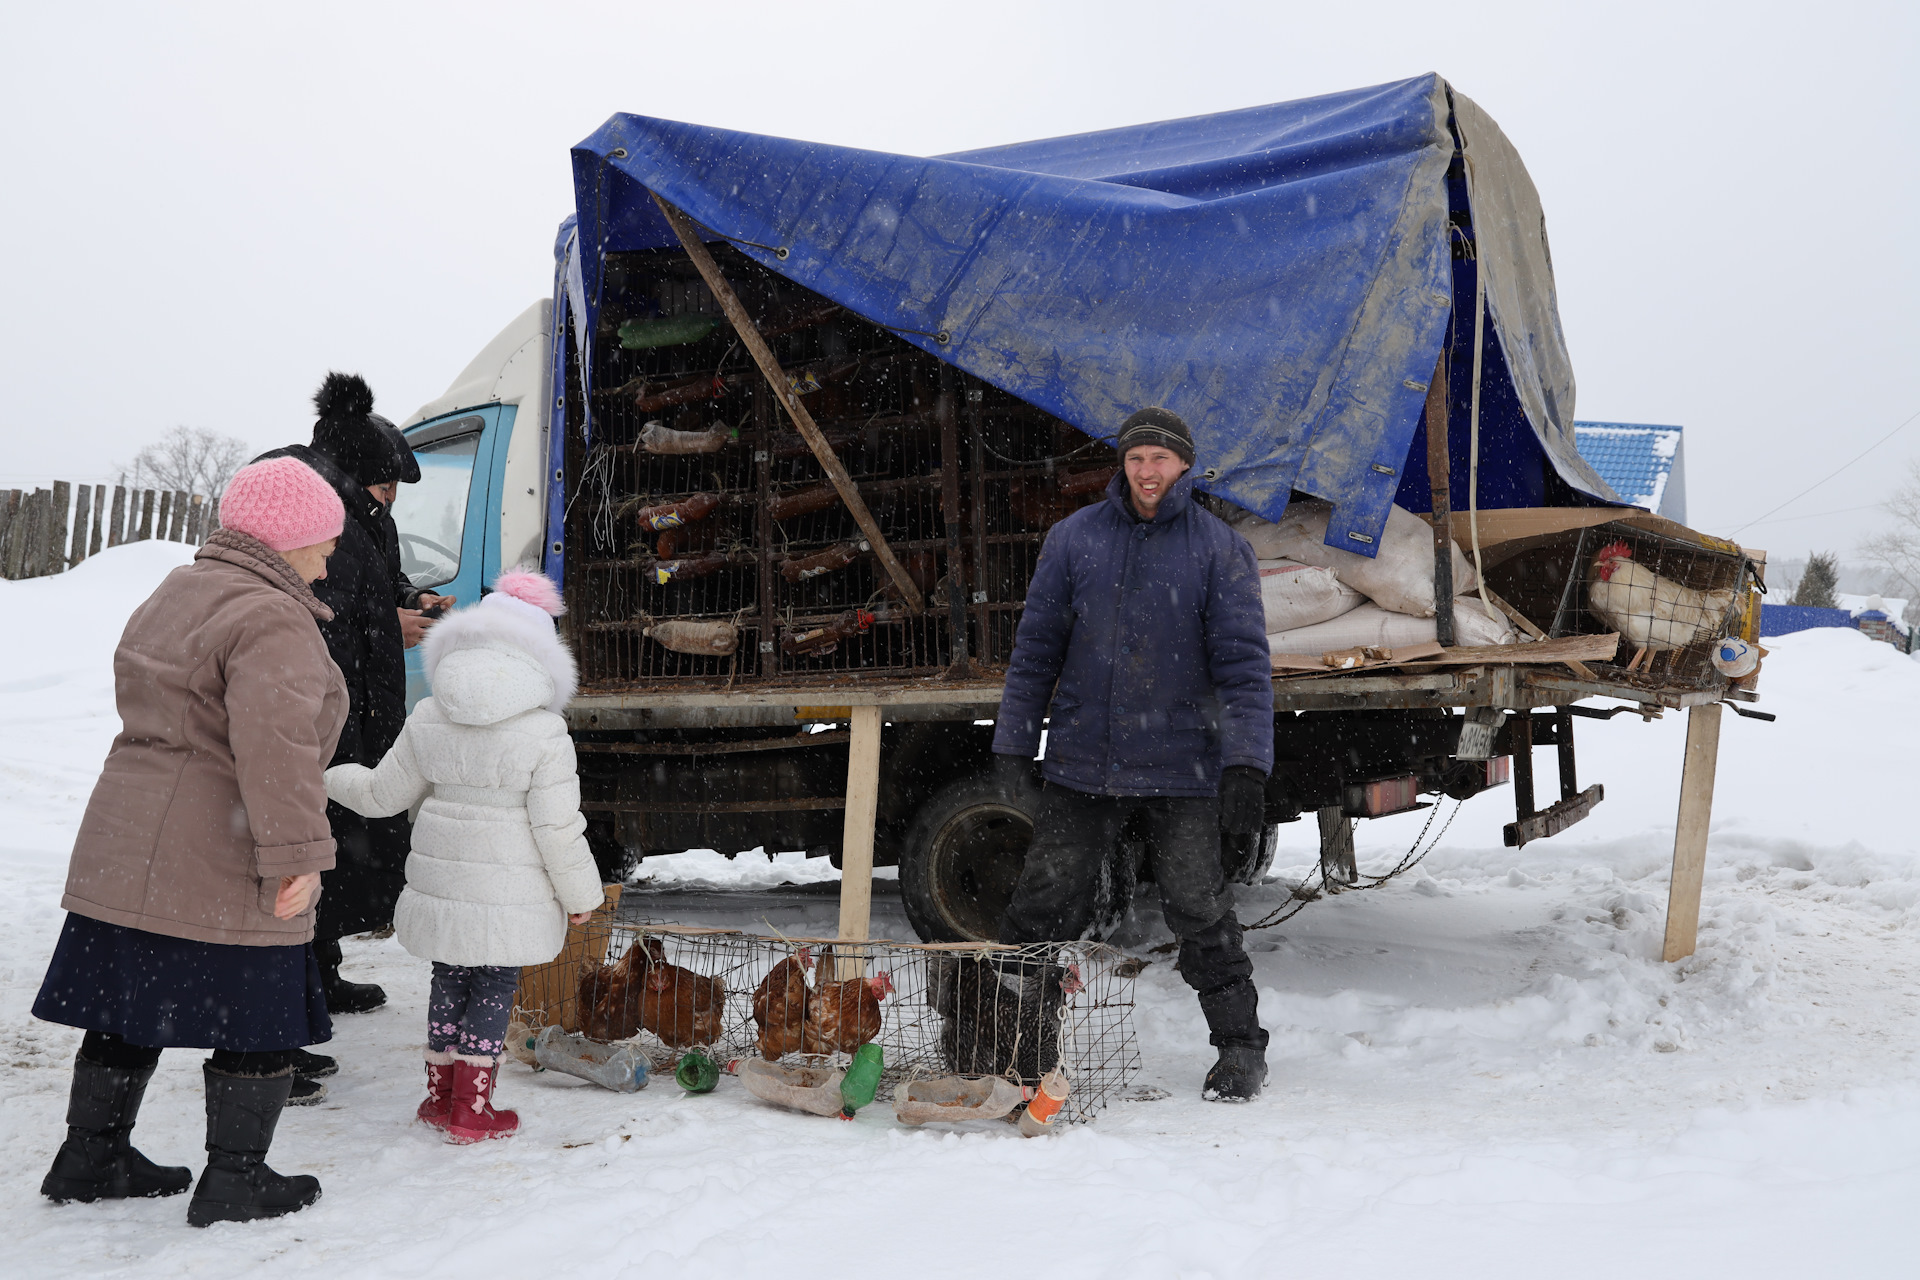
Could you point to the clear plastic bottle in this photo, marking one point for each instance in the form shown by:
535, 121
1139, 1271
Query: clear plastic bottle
620, 1067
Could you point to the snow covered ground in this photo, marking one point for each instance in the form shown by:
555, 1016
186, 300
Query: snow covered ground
1481, 1070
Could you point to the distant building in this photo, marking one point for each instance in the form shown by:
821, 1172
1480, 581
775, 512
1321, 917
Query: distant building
1643, 463
1882, 619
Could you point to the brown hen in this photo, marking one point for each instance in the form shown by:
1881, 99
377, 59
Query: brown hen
609, 996
780, 1006
842, 1016
680, 1006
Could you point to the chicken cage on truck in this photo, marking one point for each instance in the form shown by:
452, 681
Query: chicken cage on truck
794, 425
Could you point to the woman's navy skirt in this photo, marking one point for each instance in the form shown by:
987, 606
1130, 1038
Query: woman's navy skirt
162, 992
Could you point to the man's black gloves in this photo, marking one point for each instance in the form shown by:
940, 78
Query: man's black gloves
1015, 773
1243, 800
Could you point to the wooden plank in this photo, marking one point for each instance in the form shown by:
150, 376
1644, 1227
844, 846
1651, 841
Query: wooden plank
856, 845
99, 518
1690, 831
82, 511
833, 737
797, 804
1521, 621
1339, 868
1356, 659
1568, 649
146, 517
802, 420
1439, 479
55, 560
1575, 648
117, 531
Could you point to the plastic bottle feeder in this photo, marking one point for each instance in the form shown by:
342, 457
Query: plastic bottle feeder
956, 1099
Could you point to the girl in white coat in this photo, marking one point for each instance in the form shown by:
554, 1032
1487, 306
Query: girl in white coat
500, 860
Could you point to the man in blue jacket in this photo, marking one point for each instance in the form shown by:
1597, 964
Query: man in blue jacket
1144, 641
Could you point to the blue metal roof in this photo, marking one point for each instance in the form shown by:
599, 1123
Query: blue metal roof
1641, 461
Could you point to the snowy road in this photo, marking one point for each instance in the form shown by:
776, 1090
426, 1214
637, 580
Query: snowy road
1480, 1070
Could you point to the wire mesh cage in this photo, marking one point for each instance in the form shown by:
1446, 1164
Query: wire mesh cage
935, 1010
715, 547
1669, 598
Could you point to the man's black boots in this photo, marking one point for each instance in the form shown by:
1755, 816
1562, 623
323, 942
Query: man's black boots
1233, 1014
343, 996
97, 1161
237, 1185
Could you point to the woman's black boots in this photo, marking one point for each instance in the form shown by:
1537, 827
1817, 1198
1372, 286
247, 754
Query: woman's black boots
97, 1161
237, 1185
343, 996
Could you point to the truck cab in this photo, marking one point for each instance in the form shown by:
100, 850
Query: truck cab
479, 507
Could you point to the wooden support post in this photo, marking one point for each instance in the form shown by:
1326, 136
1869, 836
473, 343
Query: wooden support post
55, 560
196, 514
1339, 869
9, 510
1439, 470
802, 420
19, 529
146, 517
118, 525
856, 843
177, 530
99, 518
1690, 831
82, 511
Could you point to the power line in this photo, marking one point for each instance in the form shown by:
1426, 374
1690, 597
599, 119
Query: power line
1831, 474
1815, 515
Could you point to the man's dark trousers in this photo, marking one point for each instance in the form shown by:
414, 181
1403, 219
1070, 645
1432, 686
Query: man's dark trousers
1074, 833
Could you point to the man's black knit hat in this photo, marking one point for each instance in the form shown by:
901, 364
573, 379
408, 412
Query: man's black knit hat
1156, 426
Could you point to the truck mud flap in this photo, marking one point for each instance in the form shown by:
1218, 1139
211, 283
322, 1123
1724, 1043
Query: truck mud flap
1555, 818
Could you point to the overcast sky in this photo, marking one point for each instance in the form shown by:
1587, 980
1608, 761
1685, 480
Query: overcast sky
208, 206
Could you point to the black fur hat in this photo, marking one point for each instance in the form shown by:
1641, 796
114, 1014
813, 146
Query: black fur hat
353, 435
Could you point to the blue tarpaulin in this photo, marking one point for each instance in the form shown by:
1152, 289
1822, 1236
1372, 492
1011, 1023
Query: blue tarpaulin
1283, 277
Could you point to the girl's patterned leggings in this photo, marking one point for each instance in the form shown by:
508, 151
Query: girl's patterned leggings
467, 1008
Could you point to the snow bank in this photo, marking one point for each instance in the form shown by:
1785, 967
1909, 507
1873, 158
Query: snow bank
1482, 1069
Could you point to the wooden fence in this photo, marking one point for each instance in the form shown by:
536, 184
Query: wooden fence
49, 531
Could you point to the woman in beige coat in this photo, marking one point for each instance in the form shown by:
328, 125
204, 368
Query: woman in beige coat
191, 889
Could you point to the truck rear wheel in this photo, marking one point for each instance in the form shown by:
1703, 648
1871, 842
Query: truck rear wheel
963, 854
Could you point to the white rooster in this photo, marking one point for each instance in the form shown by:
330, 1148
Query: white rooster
1650, 611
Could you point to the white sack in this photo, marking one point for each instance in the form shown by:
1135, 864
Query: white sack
1384, 629
1299, 595
1400, 578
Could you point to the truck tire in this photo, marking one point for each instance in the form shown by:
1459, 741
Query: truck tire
962, 856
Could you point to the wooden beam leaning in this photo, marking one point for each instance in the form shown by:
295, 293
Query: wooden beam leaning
856, 845
1690, 831
802, 420
1439, 467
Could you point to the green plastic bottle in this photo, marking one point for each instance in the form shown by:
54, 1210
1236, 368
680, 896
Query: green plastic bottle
696, 1073
857, 1086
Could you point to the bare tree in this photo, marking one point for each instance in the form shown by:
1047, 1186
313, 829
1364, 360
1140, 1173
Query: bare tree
1896, 548
187, 459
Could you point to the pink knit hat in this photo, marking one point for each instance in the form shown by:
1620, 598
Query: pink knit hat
283, 502
527, 587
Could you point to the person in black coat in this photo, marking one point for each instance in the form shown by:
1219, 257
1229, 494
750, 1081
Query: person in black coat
363, 456
1143, 647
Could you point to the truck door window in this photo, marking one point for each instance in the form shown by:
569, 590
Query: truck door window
432, 515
